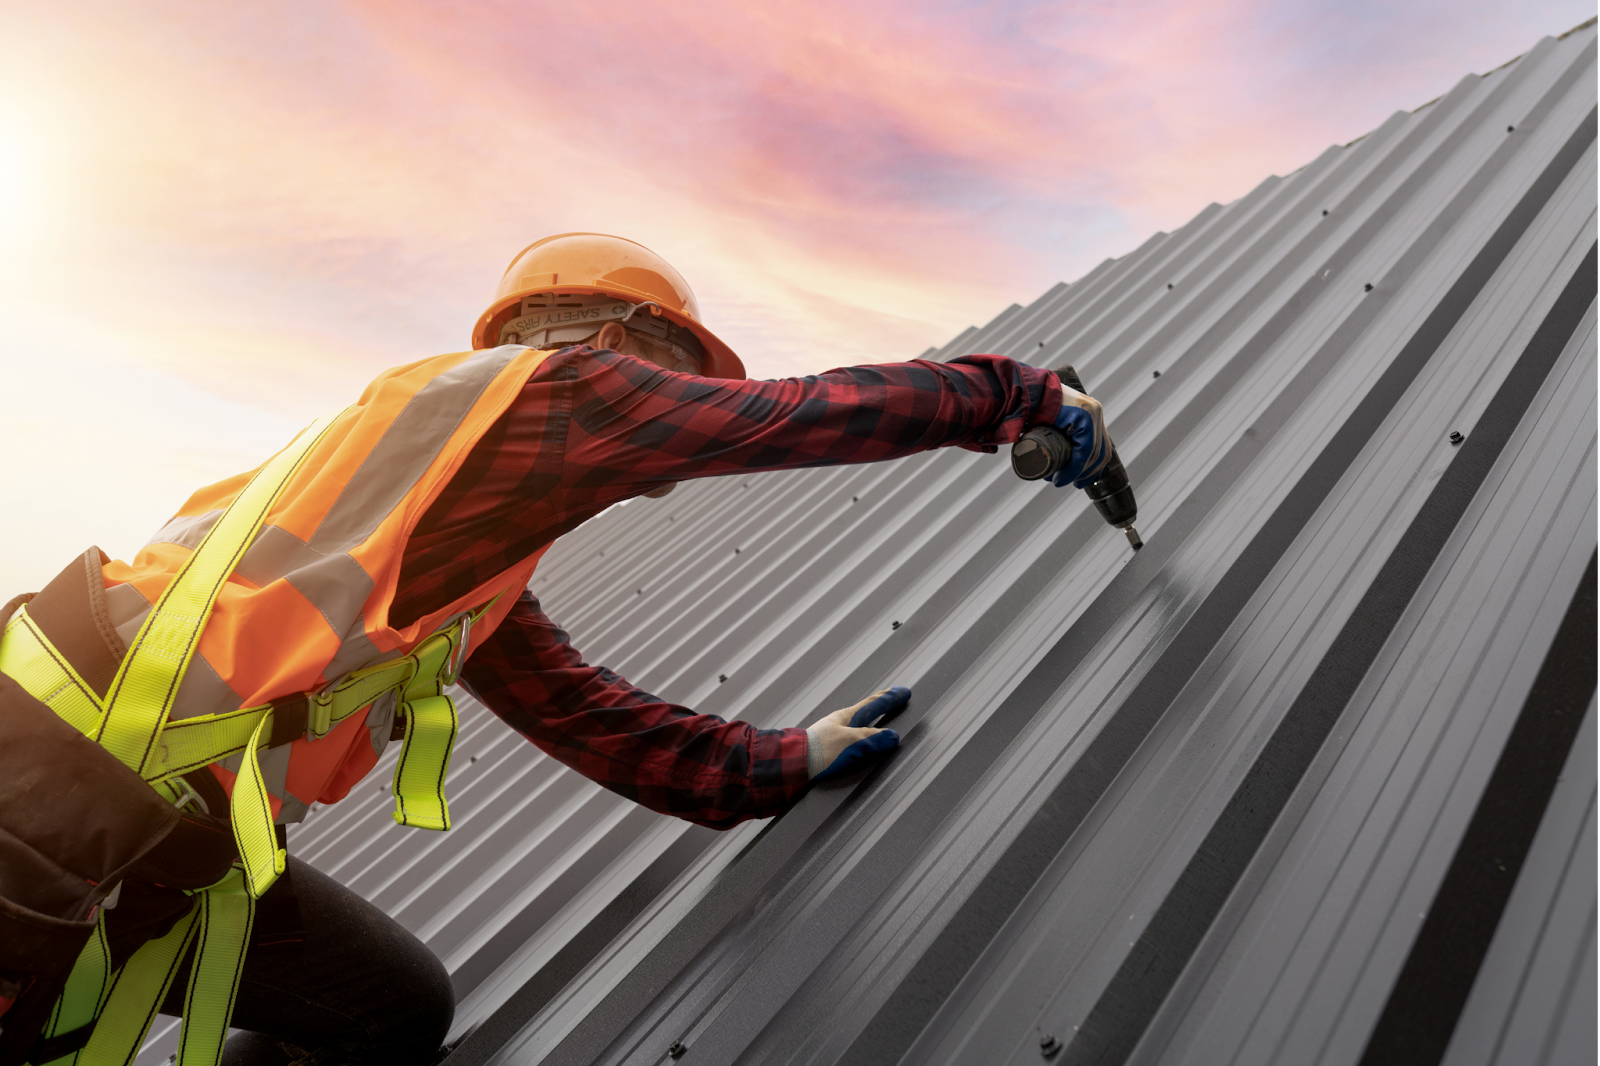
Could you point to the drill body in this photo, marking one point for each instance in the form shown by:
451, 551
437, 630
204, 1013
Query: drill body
1043, 450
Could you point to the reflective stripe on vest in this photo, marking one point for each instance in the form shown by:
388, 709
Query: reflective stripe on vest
308, 602
135, 723
129, 723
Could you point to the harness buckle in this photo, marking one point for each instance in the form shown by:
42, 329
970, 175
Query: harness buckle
319, 711
186, 795
458, 656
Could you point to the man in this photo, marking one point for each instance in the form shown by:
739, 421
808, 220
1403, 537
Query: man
402, 534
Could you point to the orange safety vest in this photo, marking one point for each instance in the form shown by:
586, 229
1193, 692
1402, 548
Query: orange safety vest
309, 600
258, 643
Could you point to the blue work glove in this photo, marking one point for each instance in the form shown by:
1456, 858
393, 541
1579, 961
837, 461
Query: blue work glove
843, 740
1084, 424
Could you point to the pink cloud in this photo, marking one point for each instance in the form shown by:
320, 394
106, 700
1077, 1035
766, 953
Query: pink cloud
267, 204
321, 189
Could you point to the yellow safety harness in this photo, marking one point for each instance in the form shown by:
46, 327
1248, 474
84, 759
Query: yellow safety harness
132, 723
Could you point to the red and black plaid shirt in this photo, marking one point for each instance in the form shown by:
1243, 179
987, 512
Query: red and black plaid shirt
592, 428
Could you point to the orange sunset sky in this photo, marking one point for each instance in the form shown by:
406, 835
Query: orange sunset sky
220, 219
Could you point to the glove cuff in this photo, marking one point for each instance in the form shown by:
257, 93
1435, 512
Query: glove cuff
814, 764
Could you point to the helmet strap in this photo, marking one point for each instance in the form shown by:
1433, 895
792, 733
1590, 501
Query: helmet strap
549, 320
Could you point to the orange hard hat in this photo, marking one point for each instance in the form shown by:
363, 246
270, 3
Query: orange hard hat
602, 265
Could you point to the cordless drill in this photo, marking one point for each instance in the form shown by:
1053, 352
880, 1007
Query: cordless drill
1045, 449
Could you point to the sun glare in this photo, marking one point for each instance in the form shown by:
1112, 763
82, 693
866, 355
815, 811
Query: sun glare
14, 184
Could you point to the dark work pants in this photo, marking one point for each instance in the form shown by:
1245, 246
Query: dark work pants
338, 982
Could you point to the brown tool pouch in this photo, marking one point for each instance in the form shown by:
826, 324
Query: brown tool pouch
75, 823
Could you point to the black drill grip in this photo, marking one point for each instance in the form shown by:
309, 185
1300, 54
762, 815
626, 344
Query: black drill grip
1043, 450
1069, 378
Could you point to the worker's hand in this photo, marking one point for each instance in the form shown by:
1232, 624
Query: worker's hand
844, 739
1081, 420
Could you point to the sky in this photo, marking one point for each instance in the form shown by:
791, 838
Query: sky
219, 220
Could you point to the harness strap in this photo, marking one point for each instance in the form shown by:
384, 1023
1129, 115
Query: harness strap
132, 723
136, 994
227, 910
251, 812
142, 693
28, 658
187, 744
431, 725
80, 1001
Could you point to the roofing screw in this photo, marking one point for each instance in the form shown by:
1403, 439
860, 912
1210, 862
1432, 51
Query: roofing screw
736, 551
1324, 212
1155, 373
894, 625
1455, 437
1367, 287
1169, 284
677, 1049
1510, 128
855, 499
1049, 1045
721, 678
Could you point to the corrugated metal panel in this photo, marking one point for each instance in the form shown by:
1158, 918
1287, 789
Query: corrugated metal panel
1534, 999
1186, 805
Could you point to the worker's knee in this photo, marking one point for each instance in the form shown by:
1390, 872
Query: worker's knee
408, 1001
335, 975
426, 1004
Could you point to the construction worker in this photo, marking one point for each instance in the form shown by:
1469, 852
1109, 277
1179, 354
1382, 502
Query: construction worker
279, 631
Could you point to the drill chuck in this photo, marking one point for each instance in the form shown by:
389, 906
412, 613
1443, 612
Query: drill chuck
1043, 450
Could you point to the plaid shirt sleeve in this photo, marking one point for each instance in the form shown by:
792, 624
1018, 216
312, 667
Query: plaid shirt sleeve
661, 755
592, 428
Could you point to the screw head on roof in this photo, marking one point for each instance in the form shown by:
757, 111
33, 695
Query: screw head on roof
1456, 437
677, 1049
1049, 1045
894, 625
1155, 373
1324, 212
1510, 128
736, 551
855, 499
1367, 287
1169, 284
721, 678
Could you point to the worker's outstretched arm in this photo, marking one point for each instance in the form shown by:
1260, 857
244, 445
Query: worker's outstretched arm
659, 754
677, 426
591, 428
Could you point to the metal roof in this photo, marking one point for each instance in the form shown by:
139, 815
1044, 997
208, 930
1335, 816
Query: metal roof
1257, 793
